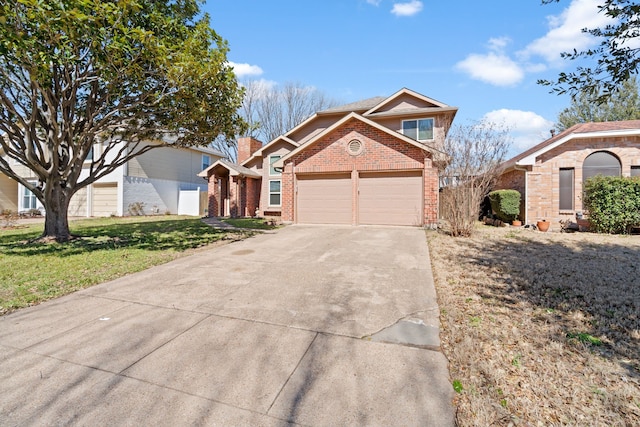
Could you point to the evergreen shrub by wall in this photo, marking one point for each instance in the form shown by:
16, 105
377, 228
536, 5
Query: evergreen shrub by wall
506, 204
613, 203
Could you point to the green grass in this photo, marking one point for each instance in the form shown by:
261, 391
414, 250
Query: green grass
32, 272
252, 223
585, 338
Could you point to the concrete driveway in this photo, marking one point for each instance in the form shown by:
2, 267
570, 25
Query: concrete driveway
308, 325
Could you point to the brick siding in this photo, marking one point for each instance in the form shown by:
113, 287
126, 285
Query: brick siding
246, 147
381, 152
543, 198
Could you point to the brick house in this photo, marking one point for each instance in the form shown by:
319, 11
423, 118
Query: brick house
550, 176
374, 161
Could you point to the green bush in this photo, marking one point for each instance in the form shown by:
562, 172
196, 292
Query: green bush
506, 204
613, 203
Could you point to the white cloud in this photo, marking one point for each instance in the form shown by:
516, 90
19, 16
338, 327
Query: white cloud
526, 127
497, 44
407, 9
374, 2
244, 69
564, 34
565, 31
493, 68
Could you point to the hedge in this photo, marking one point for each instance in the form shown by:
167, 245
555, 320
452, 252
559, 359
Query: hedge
613, 203
506, 204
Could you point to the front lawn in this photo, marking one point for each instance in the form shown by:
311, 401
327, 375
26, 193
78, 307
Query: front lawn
540, 328
106, 248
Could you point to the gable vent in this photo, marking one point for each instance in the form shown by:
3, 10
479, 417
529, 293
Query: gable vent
354, 147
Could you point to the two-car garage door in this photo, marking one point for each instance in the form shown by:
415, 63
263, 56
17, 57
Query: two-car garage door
385, 198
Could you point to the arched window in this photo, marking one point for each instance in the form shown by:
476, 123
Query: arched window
601, 163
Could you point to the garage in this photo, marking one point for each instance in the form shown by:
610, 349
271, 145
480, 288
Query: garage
324, 199
384, 198
105, 200
390, 198
78, 205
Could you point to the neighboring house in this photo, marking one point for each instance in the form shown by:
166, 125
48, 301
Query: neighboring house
8, 194
550, 176
370, 162
161, 180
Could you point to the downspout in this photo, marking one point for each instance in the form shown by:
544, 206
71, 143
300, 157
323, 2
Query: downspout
526, 192
294, 198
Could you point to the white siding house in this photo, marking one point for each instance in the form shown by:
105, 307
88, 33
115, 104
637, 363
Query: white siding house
150, 184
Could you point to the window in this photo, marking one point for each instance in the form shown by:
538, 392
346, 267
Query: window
566, 189
635, 170
206, 161
600, 163
29, 200
272, 170
274, 193
420, 129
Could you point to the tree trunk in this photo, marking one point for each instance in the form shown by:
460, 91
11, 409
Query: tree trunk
56, 204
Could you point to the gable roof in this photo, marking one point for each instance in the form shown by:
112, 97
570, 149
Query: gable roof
233, 168
362, 105
405, 91
580, 130
356, 116
370, 108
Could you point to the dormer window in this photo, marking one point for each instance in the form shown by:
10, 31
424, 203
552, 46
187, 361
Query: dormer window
419, 129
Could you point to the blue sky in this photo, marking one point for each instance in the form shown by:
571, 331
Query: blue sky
483, 57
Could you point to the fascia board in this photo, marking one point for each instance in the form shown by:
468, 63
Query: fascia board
530, 160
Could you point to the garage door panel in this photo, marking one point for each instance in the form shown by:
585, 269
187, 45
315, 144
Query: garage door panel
105, 200
324, 199
390, 198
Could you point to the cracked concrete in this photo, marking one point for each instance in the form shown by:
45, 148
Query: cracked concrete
410, 332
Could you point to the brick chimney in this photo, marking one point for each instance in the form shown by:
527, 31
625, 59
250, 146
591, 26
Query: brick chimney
247, 145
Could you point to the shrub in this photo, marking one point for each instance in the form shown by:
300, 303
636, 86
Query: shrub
613, 203
506, 204
136, 208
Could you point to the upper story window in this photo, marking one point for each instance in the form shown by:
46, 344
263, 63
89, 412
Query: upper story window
206, 161
419, 129
272, 159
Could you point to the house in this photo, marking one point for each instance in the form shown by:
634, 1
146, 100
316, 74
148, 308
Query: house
8, 194
374, 161
551, 175
159, 181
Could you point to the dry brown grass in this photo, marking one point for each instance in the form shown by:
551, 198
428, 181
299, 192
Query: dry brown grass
541, 328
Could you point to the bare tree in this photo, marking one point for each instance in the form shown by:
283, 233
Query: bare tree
476, 151
272, 111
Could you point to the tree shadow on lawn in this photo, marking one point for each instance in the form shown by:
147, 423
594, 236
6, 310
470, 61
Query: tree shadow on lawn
178, 235
600, 280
